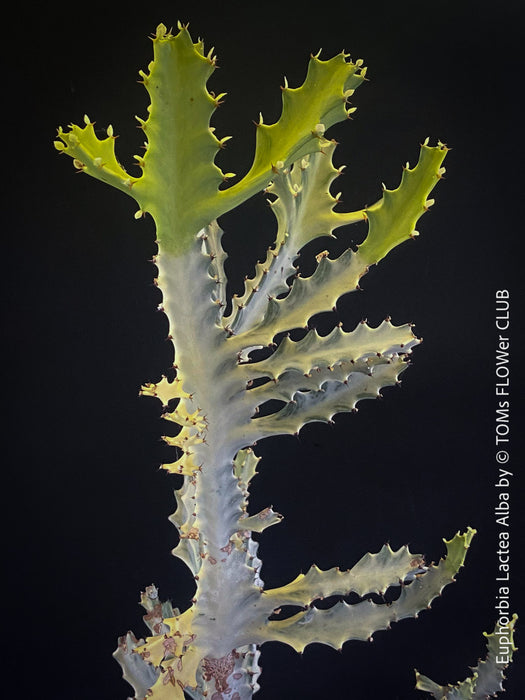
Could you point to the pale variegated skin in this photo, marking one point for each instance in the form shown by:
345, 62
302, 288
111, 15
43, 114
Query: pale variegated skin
211, 650
487, 676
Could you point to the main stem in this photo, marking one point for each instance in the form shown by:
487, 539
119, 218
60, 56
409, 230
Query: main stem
228, 583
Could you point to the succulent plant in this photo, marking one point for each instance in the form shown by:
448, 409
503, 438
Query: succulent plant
224, 396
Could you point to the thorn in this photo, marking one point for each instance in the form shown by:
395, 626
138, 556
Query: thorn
222, 142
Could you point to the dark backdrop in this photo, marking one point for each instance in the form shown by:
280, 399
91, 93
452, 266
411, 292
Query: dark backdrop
85, 526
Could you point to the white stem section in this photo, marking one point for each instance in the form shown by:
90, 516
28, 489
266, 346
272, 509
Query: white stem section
228, 584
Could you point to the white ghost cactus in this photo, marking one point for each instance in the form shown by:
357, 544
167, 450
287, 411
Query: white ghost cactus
212, 648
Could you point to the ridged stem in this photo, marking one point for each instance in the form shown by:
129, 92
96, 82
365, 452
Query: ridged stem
228, 584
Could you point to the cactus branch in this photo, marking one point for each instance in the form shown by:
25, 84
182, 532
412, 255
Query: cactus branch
487, 677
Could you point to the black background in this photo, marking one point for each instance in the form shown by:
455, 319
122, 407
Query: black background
85, 525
